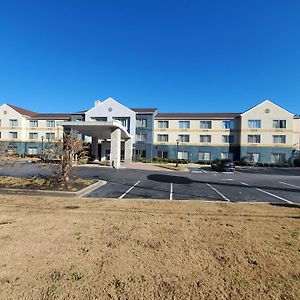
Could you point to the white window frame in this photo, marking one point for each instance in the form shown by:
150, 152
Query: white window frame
205, 156
278, 157
205, 138
51, 123
183, 155
206, 124
141, 122
163, 138
279, 123
184, 138
33, 135
50, 136
163, 124
254, 123
184, 124
256, 139
13, 122
227, 124
13, 135
32, 150
33, 123
279, 139
141, 137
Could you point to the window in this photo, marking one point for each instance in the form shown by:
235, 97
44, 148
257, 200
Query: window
162, 154
279, 139
162, 137
204, 156
50, 136
254, 123
254, 138
184, 138
228, 124
184, 124
13, 123
277, 157
13, 135
205, 138
50, 123
33, 124
205, 124
33, 135
227, 155
279, 123
228, 139
125, 122
0, 122
98, 119
32, 150
141, 123
183, 155
140, 153
163, 124
253, 157
141, 137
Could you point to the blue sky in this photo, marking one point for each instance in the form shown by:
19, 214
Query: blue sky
179, 56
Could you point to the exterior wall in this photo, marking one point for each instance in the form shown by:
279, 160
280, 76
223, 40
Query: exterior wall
194, 146
148, 130
267, 112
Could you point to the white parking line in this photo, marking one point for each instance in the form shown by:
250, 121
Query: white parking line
268, 193
296, 186
197, 171
171, 191
122, 196
225, 198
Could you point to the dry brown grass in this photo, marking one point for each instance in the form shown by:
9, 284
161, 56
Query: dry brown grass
52, 248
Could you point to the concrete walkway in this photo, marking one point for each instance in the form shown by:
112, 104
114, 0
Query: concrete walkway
141, 166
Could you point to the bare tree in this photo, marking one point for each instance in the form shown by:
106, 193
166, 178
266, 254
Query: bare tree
66, 153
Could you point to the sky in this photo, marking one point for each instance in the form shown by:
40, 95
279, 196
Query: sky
176, 55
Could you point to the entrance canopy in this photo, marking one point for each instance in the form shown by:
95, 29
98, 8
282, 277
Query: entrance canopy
101, 130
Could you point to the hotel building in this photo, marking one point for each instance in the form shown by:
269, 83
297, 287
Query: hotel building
266, 133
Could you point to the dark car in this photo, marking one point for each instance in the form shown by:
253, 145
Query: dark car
223, 165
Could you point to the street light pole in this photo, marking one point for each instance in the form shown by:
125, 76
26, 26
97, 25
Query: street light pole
177, 143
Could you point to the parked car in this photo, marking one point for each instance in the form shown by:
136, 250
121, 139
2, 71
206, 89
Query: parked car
223, 165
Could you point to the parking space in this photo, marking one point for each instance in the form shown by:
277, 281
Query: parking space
200, 183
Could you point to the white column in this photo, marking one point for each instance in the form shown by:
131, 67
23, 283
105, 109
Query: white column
128, 151
95, 149
115, 148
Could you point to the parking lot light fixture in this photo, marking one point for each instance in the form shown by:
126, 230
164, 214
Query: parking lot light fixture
177, 143
42, 137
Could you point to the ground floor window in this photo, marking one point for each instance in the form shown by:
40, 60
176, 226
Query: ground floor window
253, 157
277, 157
227, 155
183, 155
32, 150
204, 156
162, 154
107, 154
140, 153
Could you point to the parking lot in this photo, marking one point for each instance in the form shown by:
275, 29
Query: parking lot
200, 183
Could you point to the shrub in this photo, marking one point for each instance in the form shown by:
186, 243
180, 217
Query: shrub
266, 165
297, 162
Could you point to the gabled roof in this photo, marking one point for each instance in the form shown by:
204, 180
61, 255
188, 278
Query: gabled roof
197, 116
22, 111
266, 101
51, 116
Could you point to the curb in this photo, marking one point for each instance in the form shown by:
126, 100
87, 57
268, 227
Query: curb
81, 193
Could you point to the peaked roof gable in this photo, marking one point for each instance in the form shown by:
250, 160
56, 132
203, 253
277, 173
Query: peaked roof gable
22, 111
266, 101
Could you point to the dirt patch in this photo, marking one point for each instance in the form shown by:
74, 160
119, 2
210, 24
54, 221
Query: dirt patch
37, 183
147, 250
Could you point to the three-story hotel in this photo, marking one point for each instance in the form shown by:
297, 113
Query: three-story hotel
265, 133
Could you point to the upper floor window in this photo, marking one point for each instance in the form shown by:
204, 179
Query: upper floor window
228, 124
279, 139
163, 124
162, 137
13, 122
254, 138
184, 138
227, 139
99, 119
141, 137
141, 122
33, 124
50, 136
184, 124
50, 123
205, 124
254, 123
279, 123
13, 135
205, 138
33, 135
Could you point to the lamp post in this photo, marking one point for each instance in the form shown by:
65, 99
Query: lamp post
42, 137
177, 143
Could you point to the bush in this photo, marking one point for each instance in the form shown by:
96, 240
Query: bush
266, 165
297, 162
204, 162
260, 164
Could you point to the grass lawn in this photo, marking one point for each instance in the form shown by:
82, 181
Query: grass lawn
55, 248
